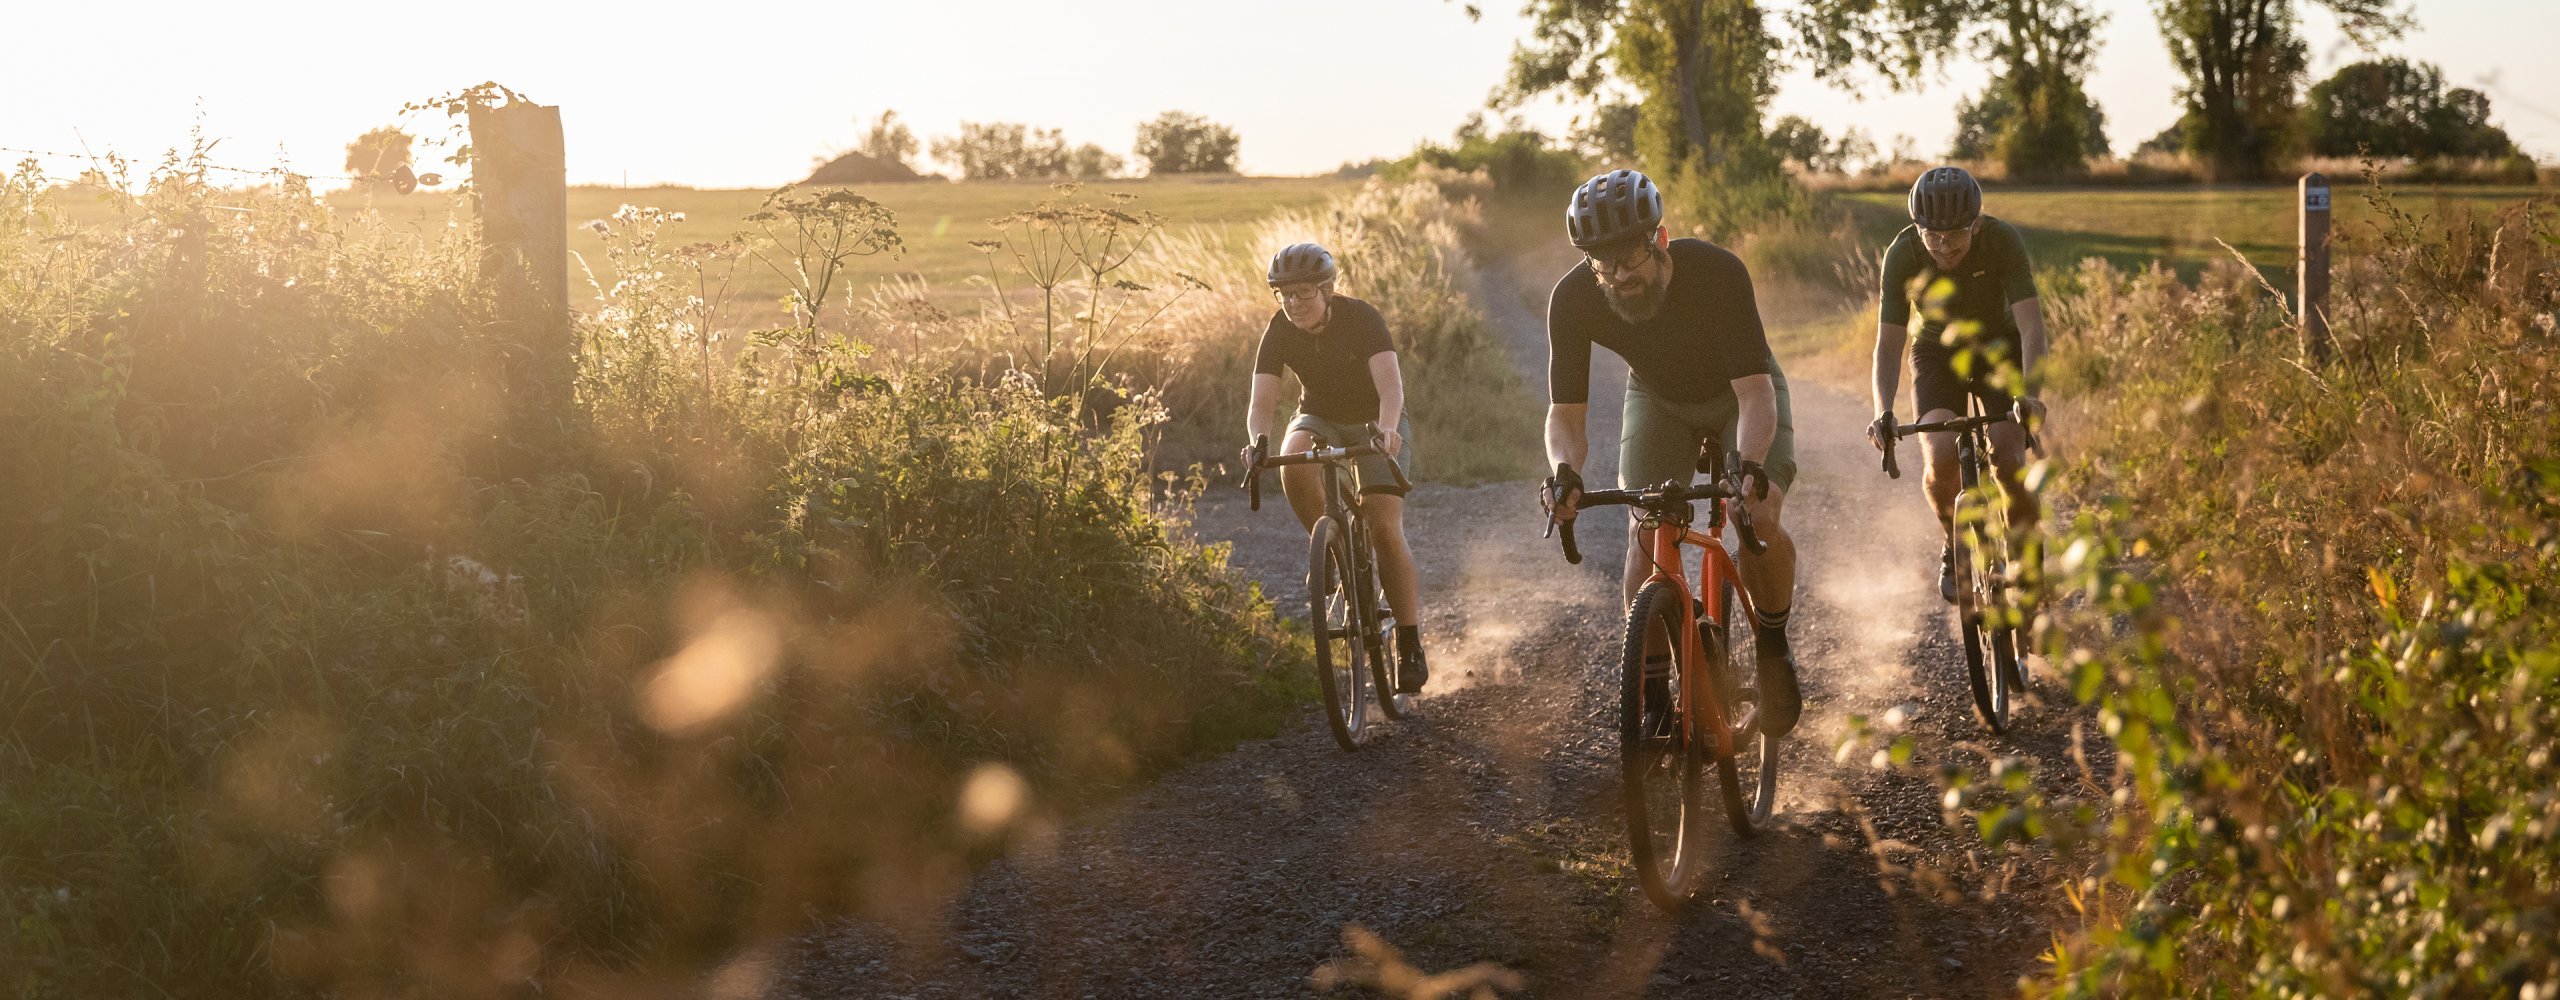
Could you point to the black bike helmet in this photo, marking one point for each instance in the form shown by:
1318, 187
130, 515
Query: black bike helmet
1302, 262
1620, 206
1945, 198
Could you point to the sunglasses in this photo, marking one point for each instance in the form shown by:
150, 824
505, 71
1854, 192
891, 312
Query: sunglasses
1606, 263
1307, 294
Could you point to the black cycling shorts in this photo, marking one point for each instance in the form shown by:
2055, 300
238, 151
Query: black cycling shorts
1936, 386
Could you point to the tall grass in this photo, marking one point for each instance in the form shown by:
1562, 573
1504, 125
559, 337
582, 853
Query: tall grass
1179, 315
329, 667
2317, 612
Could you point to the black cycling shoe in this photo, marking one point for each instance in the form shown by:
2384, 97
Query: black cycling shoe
1412, 670
1780, 700
1947, 573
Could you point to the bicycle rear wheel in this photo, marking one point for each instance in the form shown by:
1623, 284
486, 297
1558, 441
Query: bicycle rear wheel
1333, 613
1373, 630
1750, 776
1663, 772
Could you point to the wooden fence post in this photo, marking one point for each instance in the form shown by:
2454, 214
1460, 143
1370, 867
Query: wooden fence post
2311, 268
520, 178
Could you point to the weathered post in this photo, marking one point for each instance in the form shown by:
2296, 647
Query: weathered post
2311, 268
520, 177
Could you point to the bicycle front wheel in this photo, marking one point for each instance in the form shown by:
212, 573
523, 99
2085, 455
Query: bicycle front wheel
1750, 775
1976, 590
1333, 612
1662, 769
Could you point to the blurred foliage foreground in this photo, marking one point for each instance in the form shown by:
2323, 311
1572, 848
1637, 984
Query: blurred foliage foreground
2317, 607
330, 663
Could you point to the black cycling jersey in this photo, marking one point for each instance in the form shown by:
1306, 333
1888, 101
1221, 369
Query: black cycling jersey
1333, 366
1993, 276
1706, 335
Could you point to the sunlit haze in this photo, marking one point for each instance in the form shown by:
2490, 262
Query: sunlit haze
748, 95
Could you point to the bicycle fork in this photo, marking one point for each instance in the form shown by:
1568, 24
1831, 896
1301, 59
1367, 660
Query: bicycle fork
1665, 540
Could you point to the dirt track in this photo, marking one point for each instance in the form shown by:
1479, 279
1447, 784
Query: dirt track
1487, 830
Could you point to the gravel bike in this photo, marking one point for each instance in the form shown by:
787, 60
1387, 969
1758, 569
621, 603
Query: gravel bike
1988, 610
1688, 681
1346, 606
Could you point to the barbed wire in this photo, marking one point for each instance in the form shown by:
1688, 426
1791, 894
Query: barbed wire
99, 158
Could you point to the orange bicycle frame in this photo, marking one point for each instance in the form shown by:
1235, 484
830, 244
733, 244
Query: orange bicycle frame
1716, 566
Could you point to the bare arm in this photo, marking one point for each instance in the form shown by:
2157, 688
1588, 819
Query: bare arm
1891, 338
2031, 340
1257, 414
1568, 441
1390, 382
1756, 420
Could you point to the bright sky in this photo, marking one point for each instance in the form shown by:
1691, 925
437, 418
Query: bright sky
746, 94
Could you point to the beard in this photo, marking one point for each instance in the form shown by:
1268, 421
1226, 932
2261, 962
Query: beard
1639, 305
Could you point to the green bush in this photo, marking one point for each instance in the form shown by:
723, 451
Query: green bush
2315, 607
328, 666
1519, 163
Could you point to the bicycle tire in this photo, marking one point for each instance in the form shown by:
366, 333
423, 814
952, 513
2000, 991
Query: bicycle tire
1651, 753
1750, 776
2002, 619
1333, 621
1373, 632
1983, 675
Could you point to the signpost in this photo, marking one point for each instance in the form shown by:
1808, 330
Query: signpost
2311, 269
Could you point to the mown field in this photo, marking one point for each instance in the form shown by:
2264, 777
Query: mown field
937, 220
2178, 226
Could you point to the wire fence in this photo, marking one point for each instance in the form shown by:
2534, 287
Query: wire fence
100, 161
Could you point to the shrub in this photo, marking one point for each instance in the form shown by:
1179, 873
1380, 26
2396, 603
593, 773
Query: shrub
1179, 142
2317, 617
307, 692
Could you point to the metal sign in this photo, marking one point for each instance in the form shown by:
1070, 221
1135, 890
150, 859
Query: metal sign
2315, 199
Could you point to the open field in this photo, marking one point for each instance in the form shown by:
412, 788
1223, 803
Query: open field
936, 219
2131, 227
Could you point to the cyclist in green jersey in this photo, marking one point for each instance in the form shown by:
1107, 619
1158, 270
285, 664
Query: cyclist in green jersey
1346, 367
1683, 315
1971, 271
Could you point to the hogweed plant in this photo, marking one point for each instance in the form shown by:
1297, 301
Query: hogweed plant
1076, 255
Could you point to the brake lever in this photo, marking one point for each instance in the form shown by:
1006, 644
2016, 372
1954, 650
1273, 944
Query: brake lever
1253, 473
1548, 499
1892, 468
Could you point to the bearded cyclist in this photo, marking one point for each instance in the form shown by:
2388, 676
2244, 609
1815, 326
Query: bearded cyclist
1683, 316
1346, 364
1971, 272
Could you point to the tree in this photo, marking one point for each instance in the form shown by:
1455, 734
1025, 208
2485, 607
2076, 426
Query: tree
1981, 122
381, 153
1090, 162
1179, 142
2396, 108
1701, 72
2243, 61
890, 141
2043, 47
2172, 139
1607, 133
1798, 140
1000, 150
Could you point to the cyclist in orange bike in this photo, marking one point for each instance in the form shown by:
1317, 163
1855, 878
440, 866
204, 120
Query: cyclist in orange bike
1352, 389
1682, 314
1972, 271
